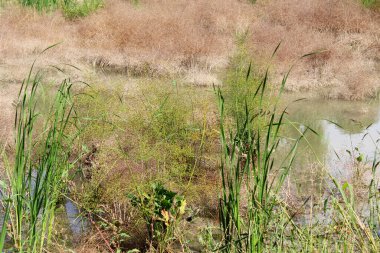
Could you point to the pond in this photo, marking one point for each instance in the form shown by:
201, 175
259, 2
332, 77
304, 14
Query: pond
343, 144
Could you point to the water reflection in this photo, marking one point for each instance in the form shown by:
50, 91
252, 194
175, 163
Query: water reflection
345, 148
347, 132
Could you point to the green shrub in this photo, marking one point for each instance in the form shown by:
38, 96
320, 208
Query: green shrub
240, 84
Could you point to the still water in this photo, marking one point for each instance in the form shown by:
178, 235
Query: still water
344, 145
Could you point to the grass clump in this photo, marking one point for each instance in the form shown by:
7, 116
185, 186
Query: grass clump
39, 172
250, 180
71, 8
75, 9
371, 3
41, 5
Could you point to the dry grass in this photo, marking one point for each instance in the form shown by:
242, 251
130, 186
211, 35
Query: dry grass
170, 36
350, 35
196, 39
7, 93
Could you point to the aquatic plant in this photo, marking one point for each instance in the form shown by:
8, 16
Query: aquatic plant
37, 176
249, 175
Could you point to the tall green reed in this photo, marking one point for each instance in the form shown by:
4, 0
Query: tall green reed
40, 167
251, 180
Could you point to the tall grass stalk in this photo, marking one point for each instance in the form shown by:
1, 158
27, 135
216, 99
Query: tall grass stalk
41, 164
373, 197
250, 179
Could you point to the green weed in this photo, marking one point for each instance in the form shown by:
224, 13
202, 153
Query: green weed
41, 4
370, 3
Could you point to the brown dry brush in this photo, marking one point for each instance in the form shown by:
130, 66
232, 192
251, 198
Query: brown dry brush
199, 36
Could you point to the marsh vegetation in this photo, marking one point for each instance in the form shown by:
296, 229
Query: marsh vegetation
175, 126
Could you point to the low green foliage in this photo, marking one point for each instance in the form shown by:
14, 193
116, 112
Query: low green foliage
161, 209
157, 131
372, 4
76, 9
71, 8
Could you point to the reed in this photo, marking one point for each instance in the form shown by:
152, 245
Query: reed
251, 179
40, 167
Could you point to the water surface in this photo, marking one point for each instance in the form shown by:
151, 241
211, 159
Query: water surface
344, 147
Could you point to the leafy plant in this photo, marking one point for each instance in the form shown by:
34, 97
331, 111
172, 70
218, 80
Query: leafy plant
161, 209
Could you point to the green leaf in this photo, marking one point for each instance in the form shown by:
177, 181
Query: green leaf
325, 205
360, 158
